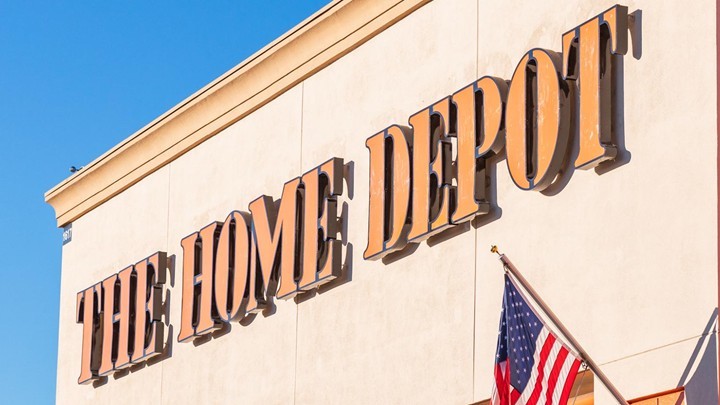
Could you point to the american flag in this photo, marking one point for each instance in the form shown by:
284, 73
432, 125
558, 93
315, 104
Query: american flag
531, 365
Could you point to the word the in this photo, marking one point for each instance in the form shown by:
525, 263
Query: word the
121, 319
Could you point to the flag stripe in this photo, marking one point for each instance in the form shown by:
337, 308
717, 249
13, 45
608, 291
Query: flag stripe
547, 369
564, 378
544, 355
535, 372
554, 374
572, 373
514, 395
500, 394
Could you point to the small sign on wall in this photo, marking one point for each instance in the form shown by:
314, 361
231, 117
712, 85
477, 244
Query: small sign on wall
67, 234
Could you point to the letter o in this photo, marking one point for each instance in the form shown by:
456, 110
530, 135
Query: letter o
537, 97
233, 250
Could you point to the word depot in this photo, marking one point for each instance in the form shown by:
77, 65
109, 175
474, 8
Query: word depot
424, 179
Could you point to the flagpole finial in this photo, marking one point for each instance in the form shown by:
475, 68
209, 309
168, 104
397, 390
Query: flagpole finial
494, 249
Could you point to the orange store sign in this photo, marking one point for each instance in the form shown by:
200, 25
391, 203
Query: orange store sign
233, 269
419, 186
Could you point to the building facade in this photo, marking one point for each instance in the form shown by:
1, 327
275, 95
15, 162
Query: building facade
313, 227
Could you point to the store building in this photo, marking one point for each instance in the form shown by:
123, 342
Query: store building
314, 226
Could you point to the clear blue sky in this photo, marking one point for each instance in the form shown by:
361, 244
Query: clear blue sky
76, 78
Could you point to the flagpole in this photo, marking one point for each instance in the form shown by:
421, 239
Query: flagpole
583, 354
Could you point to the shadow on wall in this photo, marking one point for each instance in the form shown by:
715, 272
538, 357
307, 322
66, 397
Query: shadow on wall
700, 377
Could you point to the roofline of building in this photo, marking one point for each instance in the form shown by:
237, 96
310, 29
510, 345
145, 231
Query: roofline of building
321, 39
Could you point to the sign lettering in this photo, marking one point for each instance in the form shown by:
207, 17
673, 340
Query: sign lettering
425, 178
529, 117
130, 300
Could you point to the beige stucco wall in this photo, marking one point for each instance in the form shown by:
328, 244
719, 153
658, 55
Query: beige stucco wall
627, 259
